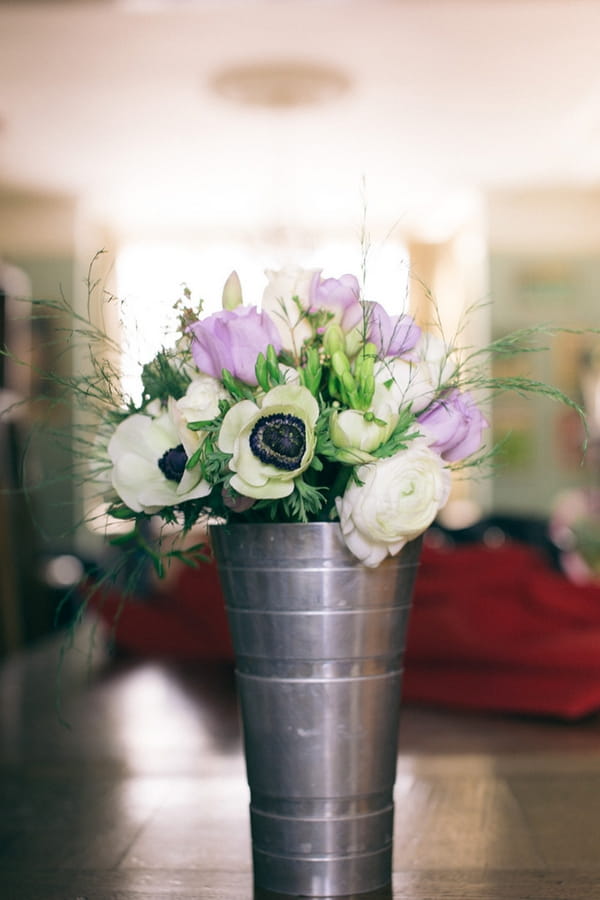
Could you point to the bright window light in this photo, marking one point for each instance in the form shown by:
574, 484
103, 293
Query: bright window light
151, 277
383, 274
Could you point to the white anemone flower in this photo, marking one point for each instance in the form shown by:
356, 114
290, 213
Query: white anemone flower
271, 444
148, 464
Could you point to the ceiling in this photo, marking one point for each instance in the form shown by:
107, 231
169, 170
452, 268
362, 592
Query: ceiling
127, 107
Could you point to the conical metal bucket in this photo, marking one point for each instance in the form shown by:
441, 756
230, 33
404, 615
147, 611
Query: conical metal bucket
319, 642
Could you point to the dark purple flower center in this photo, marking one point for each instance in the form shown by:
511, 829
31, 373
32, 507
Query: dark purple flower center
279, 439
172, 463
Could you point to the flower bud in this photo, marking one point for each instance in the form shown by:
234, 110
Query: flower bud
333, 339
356, 435
262, 372
348, 382
366, 391
232, 292
340, 363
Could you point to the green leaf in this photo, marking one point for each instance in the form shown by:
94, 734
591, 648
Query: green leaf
195, 457
238, 389
159, 566
121, 512
201, 425
403, 433
122, 539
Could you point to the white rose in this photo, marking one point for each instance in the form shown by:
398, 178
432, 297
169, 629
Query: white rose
283, 285
201, 400
417, 381
200, 403
397, 501
148, 464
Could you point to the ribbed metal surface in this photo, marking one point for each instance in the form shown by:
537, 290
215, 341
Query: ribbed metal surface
319, 641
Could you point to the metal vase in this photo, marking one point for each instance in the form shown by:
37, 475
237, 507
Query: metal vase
319, 641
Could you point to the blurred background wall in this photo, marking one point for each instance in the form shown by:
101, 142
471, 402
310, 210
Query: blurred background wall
187, 138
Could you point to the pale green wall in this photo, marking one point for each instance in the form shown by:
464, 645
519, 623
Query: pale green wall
48, 460
528, 289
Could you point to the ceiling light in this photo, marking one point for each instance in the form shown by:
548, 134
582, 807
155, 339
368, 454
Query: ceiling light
280, 85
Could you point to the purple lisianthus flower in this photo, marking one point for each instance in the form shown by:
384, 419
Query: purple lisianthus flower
340, 296
232, 340
453, 426
392, 335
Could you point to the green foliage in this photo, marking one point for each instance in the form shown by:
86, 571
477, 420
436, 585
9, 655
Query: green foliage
267, 370
304, 503
164, 377
237, 388
402, 435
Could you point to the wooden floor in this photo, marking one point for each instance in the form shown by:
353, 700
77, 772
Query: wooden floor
143, 794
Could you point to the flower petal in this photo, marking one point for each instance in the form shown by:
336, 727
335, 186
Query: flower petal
235, 419
270, 490
295, 395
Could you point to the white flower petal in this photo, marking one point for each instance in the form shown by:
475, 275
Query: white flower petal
278, 303
370, 554
142, 435
235, 419
398, 498
133, 479
270, 490
135, 448
293, 395
192, 486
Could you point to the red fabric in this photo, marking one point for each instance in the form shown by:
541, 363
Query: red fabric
498, 629
187, 622
491, 629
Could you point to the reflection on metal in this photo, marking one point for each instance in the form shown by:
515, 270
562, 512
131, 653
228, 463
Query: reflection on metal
319, 641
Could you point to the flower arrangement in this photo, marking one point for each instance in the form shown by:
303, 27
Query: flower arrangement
574, 528
317, 406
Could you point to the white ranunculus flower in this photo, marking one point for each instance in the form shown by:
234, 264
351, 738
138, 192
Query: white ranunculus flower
417, 380
283, 285
148, 464
271, 444
397, 501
